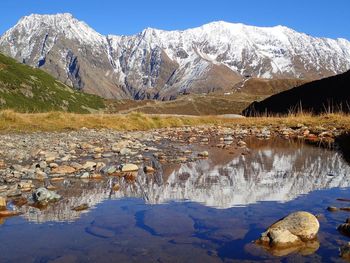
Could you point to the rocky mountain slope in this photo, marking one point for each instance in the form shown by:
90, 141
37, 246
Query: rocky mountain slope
161, 64
25, 89
321, 96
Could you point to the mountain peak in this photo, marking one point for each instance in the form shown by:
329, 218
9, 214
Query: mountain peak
54, 24
162, 64
47, 18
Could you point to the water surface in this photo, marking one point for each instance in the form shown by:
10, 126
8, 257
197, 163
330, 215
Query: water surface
206, 211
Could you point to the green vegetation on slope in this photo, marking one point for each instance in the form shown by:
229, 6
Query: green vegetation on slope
26, 89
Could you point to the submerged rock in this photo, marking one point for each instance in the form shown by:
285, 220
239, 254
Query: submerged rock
344, 229
295, 230
44, 195
332, 208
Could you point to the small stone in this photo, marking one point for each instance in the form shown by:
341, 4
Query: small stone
2, 203
116, 187
14, 193
89, 165
64, 169
129, 167
3, 188
181, 159
125, 151
98, 150
25, 186
45, 195
51, 187
148, 169
130, 177
40, 175
80, 207
203, 154
53, 165
97, 156
96, 176
109, 170
228, 139
42, 165
241, 144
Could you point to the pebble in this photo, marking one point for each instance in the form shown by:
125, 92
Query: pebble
148, 169
2, 203
203, 154
129, 167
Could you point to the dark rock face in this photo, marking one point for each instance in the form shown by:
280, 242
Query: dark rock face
326, 95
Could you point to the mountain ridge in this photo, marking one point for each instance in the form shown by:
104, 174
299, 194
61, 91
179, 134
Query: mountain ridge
160, 64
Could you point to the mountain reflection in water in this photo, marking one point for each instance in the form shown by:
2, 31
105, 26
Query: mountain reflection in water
279, 172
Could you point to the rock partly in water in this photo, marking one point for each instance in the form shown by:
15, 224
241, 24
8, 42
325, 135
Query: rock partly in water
345, 228
344, 251
8, 213
295, 230
2, 203
332, 208
45, 195
80, 207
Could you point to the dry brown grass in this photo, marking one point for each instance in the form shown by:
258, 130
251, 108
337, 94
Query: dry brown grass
60, 121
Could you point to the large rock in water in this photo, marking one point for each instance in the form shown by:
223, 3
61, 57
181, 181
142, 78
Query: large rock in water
295, 230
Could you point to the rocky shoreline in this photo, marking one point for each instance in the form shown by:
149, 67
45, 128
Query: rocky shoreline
32, 160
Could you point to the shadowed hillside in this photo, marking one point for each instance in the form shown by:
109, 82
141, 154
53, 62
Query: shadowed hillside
326, 95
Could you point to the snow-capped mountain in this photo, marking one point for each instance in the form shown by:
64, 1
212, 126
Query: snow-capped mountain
161, 64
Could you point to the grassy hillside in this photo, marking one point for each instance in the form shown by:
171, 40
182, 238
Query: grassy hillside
194, 104
26, 89
215, 103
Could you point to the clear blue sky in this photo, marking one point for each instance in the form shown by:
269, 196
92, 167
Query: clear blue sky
324, 18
